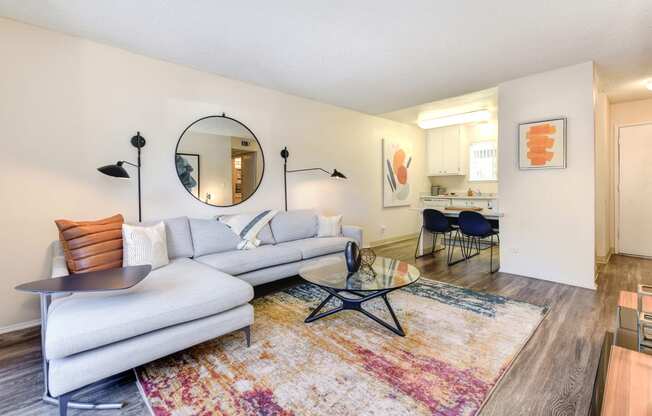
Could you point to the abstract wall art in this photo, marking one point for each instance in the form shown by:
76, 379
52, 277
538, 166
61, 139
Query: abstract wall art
397, 159
542, 144
188, 170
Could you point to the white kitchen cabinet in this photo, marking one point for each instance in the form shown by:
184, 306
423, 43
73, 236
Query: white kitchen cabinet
435, 150
445, 151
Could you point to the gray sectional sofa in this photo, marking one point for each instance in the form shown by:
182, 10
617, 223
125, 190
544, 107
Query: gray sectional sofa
204, 292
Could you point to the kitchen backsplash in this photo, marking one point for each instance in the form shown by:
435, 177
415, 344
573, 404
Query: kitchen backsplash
460, 185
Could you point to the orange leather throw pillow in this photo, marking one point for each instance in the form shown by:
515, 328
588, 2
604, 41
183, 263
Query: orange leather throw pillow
92, 245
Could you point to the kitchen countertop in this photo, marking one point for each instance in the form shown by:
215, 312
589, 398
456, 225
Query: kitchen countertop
490, 214
462, 196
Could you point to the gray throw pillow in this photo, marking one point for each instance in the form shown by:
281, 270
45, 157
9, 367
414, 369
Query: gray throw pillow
294, 225
177, 234
211, 236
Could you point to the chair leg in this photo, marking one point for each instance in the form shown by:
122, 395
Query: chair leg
458, 240
462, 244
467, 247
434, 243
452, 248
491, 255
416, 250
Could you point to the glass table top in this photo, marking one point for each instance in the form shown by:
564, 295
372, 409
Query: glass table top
383, 273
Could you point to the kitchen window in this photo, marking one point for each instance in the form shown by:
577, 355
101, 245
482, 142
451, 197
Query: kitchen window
483, 161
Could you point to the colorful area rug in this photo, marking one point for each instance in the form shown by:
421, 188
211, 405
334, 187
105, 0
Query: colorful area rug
459, 344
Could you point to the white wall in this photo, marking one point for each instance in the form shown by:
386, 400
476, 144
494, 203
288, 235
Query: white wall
68, 105
548, 231
631, 112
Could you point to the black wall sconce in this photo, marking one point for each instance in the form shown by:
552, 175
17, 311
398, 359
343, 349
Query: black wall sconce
285, 154
118, 171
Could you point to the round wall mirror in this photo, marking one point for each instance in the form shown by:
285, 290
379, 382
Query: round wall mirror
219, 161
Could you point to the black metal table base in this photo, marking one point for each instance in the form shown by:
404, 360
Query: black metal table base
355, 304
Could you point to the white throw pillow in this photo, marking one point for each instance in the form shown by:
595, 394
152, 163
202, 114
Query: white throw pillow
330, 226
144, 245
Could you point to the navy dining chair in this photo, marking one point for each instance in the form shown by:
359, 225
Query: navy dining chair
436, 223
474, 227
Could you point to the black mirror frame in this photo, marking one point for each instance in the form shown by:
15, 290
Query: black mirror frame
176, 149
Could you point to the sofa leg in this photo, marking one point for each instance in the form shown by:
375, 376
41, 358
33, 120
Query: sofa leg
63, 404
83, 405
247, 331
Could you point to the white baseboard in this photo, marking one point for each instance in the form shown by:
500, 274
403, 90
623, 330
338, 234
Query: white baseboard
386, 241
19, 326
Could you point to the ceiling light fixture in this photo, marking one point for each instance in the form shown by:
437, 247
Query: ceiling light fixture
472, 117
648, 85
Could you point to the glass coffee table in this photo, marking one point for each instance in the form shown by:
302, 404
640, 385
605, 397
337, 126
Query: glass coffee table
374, 280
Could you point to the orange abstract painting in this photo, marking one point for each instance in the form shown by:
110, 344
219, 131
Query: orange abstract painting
397, 158
542, 144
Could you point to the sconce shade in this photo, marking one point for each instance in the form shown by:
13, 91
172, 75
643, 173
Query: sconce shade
337, 174
117, 171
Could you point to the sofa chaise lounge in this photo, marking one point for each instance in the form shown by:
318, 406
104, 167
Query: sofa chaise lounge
204, 292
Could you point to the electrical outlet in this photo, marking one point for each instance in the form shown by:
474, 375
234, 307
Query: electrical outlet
382, 230
514, 250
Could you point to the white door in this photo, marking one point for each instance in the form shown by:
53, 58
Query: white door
635, 222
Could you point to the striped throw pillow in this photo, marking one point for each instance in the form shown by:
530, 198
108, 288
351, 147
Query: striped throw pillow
92, 245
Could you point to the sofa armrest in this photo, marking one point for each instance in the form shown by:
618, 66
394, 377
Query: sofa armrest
354, 232
59, 267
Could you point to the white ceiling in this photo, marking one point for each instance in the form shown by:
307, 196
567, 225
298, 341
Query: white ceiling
374, 56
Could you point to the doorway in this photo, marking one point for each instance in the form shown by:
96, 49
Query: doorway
243, 174
635, 190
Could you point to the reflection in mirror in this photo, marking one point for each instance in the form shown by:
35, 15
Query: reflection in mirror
219, 161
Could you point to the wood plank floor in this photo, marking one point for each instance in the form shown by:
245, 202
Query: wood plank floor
553, 375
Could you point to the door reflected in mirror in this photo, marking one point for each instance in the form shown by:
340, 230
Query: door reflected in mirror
219, 161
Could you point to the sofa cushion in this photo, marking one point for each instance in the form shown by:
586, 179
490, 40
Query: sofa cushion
211, 236
70, 373
182, 291
315, 247
243, 261
294, 225
177, 235
271, 274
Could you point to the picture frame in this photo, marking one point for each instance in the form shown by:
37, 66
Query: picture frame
396, 171
193, 175
541, 144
